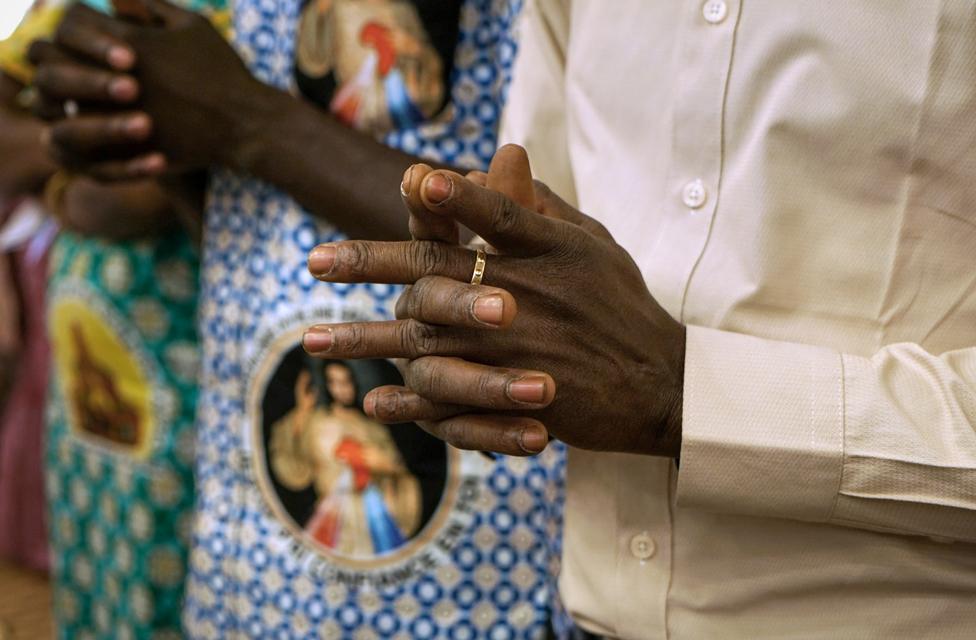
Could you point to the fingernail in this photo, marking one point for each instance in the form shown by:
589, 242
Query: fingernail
138, 126
124, 89
369, 404
321, 260
121, 58
531, 389
489, 309
153, 164
406, 183
438, 188
317, 340
533, 439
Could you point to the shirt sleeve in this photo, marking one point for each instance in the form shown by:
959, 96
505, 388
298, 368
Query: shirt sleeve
535, 113
786, 430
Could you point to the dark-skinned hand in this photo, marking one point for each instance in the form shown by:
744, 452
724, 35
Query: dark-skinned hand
588, 356
509, 175
165, 94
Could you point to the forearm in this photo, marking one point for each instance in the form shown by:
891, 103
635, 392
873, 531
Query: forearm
337, 173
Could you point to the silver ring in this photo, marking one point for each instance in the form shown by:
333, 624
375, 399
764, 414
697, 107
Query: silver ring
71, 109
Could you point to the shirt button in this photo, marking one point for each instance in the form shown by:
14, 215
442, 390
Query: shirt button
642, 546
715, 11
694, 194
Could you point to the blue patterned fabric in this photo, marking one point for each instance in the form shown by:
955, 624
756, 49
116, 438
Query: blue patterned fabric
482, 565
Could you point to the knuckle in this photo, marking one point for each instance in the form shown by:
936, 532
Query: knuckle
426, 378
460, 302
420, 338
99, 83
389, 405
417, 300
571, 248
455, 433
427, 256
358, 258
487, 386
415, 372
505, 215
352, 338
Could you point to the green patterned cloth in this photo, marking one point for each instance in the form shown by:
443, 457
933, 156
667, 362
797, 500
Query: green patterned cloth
122, 321
121, 431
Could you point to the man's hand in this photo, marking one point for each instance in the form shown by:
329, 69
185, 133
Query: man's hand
153, 96
588, 353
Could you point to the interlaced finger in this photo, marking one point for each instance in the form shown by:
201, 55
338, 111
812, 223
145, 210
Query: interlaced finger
72, 81
508, 435
510, 228
388, 339
423, 224
442, 301
95, 36
390, 262
150, 165
456, 381
44, 51
396, 405
84, 136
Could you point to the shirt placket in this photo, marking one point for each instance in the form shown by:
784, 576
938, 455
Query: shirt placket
643, 568
702, 60
702, 63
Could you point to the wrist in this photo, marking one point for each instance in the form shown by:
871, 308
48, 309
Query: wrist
254, 119
660, 429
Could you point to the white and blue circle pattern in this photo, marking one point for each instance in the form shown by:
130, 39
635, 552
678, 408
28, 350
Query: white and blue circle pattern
245, 579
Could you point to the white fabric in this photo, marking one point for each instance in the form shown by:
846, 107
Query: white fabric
827, 273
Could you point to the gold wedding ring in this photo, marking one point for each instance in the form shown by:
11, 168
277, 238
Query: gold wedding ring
479, 267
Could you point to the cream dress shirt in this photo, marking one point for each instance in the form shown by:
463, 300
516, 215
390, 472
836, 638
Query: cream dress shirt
797, 181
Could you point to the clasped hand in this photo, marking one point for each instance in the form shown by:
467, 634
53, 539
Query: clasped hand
562, 338
156, 90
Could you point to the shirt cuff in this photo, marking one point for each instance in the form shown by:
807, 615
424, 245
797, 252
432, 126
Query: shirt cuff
762, 427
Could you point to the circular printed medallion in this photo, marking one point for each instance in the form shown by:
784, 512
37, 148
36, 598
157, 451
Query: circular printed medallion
359, 493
